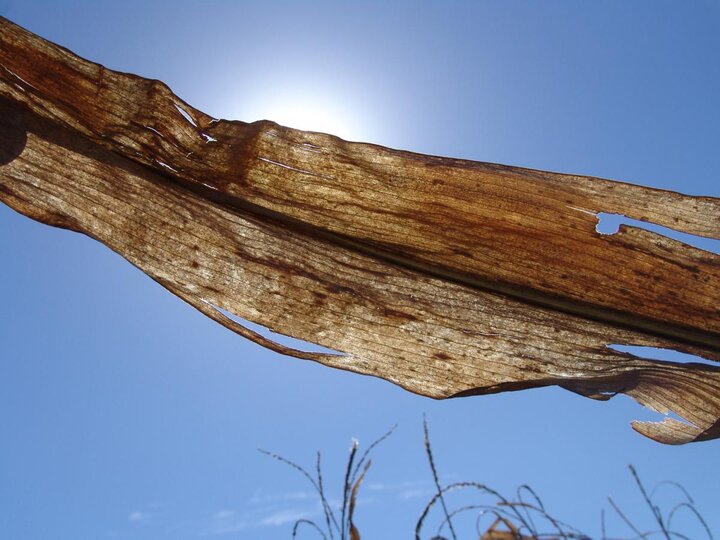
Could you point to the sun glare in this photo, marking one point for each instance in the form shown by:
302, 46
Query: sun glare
310, 111
313, 117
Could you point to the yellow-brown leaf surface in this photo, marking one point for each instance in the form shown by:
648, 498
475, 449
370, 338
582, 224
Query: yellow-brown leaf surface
446, 277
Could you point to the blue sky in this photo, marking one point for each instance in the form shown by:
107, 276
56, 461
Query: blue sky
126, 414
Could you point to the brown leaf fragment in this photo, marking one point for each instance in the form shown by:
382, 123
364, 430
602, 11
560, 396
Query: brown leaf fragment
444, 276
511, 534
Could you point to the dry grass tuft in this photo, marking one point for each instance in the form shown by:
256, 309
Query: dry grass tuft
496, 517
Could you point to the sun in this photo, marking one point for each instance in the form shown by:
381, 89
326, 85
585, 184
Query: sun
311, 108
314, 116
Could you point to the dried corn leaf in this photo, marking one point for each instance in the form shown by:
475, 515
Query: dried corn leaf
447, 277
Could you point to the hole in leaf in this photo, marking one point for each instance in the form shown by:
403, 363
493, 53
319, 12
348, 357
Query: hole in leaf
646, 414
658, 353
282, 339
186, 115
154, 131
19, 78
610, 224
168, 167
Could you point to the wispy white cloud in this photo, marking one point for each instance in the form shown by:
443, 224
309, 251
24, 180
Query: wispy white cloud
416, 493
224, 525
137, 516
263, 510
224, 514
403, 490
267, 498
395, 486
225, 521
283, 517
